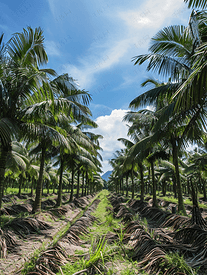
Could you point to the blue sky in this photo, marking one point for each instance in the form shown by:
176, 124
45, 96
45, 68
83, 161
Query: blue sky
94, 42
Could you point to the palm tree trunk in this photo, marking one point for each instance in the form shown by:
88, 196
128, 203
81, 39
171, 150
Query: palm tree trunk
20, 184
149, 184
204, 189
142, 181
155, 204
38, 197
72, 185
196, 213
181, 207
174, 187
86, 183
132, 177
120, 186
82, 184
116, 186
60, 187
78, 184
164, 183
32, 185
127, 186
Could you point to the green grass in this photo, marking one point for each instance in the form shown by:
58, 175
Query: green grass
4, 219
186, 201
100, 251
15, 191
178, 262
30, 265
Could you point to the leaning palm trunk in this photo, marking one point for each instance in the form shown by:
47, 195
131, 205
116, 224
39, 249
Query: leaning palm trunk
38, 198
60, 187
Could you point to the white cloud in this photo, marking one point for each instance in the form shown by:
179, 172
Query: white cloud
111, 127
97, 62
53, 6
137, 25
52, 48
151, 14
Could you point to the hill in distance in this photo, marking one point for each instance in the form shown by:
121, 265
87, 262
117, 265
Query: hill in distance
106, 175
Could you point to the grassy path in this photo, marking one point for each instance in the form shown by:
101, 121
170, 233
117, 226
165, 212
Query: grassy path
102, 251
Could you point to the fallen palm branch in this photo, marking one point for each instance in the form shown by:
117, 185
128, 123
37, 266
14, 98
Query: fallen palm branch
153, 256
26, 226
154, 214
176, 221
50, 261
48, 203
59, 212
81, 202
7, 198
152, 252
137, 205
8, 242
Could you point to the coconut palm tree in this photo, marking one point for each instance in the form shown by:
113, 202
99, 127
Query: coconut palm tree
172, 54
20, 75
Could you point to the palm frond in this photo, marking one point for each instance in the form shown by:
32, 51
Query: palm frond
27, 47
166, 66
202, 4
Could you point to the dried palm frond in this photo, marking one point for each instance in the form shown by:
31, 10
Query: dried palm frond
193, 235
47, 203
59, 212
7, 242
26, 226
132, 226
81, 202
50, 261
16, 209
176, 221
7, 198
138, 206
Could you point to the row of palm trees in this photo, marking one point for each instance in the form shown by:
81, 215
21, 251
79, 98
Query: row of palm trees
160, 137
44, 121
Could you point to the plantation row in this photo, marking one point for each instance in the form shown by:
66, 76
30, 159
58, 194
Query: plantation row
105, 234
125, 236
167, 146
23, 234
45, 141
